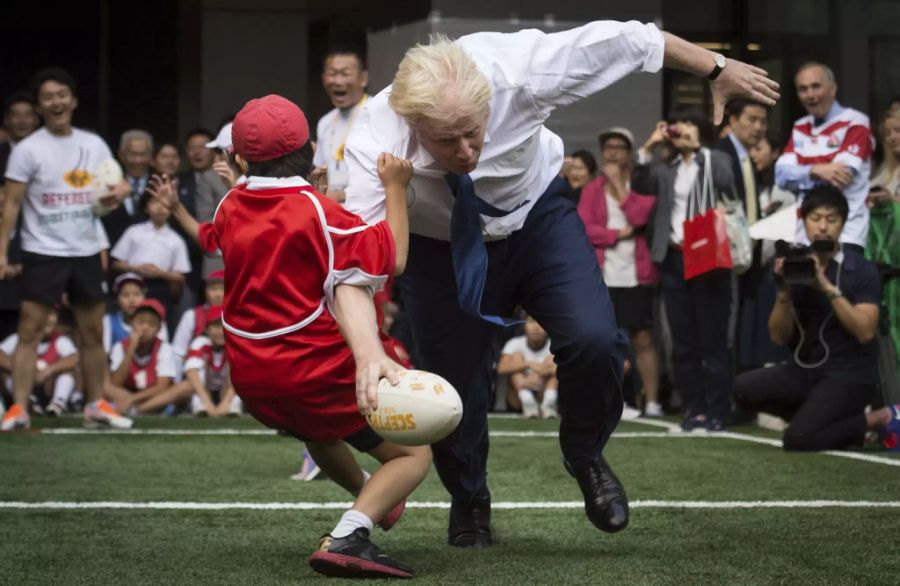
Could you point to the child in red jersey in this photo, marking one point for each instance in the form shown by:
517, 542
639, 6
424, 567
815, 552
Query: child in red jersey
206, 375
54, 376
301, 335
141, 367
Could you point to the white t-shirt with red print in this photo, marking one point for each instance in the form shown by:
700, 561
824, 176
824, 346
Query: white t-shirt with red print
58, 171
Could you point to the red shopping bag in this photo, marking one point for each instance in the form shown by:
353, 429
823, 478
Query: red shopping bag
706, 244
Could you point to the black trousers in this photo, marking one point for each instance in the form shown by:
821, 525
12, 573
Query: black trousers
698, 311
825, 412
550, 268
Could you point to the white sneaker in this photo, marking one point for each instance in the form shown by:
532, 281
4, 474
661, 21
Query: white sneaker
652, 409
101, 414
55, 409
530, 411
309, 470
198, 409
234, 410
630, 413
549, 412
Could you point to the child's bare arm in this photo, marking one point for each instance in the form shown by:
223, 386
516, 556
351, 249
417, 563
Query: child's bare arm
512, 363
162, 189
193, 376
355, 315
395, 174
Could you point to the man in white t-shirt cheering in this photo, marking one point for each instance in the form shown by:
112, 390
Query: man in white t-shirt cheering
50, 175
344, 78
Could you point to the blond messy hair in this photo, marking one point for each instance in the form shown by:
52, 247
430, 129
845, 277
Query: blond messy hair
438, 84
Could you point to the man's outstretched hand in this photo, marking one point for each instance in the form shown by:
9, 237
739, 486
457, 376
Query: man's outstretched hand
742, 80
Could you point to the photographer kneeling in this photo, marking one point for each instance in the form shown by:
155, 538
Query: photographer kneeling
827, 311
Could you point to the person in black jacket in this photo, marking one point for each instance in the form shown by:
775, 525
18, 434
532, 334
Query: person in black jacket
697, 309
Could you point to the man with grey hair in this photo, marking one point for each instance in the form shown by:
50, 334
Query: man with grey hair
488, 233
135, 154
831, 144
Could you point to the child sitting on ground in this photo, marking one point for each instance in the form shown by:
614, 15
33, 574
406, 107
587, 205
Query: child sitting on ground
142, 366
54, 378
206, 377
129, 291
303, 343
193, 322
528, 361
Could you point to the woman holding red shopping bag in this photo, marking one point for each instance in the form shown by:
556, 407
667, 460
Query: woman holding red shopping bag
689, 243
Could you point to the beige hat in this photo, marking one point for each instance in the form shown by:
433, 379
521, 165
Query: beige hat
619, 131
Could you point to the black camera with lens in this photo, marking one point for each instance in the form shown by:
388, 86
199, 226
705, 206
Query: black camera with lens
799, 267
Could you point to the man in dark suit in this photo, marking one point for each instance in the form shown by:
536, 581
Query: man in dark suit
135, 154
747, 123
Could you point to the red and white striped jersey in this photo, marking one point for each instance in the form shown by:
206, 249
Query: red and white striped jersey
843, 138
204, 356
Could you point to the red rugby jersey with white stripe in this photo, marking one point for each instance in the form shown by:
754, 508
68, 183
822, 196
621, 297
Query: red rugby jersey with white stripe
844, 138
286, 247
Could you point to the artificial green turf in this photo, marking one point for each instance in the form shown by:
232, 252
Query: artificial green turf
662, 546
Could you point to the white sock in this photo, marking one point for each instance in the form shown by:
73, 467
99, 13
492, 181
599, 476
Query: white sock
350, 522
62, 388
366, 477
526, 396
549, 399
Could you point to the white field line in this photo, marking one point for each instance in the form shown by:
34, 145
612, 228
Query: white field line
497, 434
306, 506
773, 442
266, 432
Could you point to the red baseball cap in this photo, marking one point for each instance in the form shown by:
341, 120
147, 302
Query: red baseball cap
216, 276
213, 313
269, 127
154, 306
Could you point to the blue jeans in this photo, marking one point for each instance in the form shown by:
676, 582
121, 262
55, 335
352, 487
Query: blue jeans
550, 269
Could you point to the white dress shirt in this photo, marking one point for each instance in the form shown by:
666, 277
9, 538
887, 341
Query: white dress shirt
685, 178
531, 73
145, 243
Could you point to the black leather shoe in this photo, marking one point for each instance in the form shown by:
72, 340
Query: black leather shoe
470, 525
605, 502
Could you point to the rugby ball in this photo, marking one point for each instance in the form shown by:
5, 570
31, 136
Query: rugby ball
108, 173
422, 409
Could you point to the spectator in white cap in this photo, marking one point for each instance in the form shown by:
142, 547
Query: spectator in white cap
223, 157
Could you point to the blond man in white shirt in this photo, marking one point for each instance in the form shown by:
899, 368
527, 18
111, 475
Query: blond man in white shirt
470, 116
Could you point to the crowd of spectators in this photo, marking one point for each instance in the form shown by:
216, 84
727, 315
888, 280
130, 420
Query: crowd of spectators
690, 337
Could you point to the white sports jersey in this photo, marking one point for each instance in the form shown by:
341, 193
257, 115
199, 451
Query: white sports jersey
331, 137
520, 344
57, 216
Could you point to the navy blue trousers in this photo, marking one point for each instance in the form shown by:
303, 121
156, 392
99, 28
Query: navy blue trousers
698, 311
550, 269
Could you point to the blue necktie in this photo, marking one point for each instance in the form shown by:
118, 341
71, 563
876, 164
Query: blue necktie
470, 261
